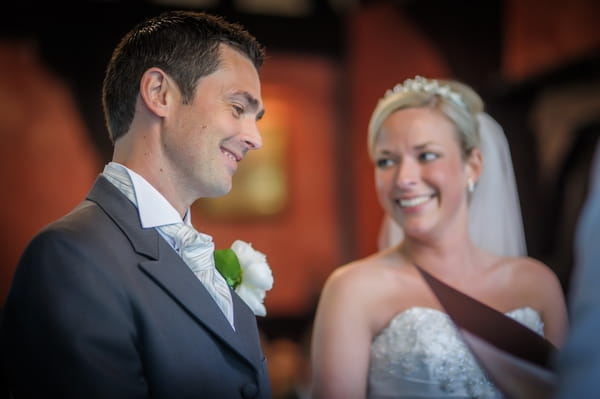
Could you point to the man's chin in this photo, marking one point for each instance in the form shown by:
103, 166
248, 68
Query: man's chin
219, 191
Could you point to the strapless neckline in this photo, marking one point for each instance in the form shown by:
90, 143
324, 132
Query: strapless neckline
521, 309
420, 354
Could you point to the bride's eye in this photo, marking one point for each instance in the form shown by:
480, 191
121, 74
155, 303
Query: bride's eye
383, 163
428, 156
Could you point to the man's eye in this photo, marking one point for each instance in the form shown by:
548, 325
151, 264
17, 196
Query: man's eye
238, 110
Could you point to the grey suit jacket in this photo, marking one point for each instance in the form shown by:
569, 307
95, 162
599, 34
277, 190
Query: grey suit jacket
102, 308
579, 360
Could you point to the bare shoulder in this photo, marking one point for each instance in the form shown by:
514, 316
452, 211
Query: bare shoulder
357, 276
372, 286
366, 293
527, 269
531, 280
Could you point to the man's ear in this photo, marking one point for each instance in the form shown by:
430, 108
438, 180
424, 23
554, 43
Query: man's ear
475, 165
156, 91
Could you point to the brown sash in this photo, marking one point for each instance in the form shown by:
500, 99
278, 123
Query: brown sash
515, 358
491, 325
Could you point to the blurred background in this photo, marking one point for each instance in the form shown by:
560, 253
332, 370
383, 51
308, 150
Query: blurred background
307, 198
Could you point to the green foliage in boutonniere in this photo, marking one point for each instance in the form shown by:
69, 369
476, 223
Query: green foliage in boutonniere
246, 271
229, 266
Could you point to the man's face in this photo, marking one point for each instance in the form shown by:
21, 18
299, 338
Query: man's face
204, 140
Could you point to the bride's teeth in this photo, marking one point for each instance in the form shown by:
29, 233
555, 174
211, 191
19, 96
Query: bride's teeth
413, 201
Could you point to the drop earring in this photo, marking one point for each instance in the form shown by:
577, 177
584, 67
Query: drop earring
470, 185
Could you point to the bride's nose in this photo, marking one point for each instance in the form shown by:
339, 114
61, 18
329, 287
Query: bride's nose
407, 173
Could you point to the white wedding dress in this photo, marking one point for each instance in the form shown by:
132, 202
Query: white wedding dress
420, 354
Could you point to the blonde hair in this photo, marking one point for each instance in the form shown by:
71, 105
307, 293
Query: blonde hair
455, 100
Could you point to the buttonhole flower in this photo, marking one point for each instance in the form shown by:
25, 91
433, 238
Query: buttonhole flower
246, 271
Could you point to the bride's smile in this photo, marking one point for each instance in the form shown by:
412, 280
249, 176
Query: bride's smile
414, 201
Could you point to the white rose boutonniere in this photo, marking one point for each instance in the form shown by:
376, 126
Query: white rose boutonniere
246, 270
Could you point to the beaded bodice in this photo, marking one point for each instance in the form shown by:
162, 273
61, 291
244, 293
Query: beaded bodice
420, 354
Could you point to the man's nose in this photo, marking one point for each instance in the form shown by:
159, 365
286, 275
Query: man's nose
252, 137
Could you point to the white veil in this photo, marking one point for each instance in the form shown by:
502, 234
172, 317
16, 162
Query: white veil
495, 221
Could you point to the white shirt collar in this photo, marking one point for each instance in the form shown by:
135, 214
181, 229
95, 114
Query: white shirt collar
153, 207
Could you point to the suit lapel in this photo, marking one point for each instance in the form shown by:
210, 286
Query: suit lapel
125, 215
175, 277
245, 320
170, 272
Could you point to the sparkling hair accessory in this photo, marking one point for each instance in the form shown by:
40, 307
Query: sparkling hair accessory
429, 86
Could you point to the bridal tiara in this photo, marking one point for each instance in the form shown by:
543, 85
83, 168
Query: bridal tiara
429, 86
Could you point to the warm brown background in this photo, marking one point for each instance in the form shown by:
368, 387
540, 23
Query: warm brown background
532, 61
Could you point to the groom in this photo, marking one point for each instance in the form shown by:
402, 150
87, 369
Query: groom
104, 304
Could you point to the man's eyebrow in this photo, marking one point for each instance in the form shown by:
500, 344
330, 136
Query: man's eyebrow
252, 102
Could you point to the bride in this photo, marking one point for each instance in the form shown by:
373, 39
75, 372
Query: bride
379, 330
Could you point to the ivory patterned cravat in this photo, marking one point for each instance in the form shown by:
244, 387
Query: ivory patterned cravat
197, 252
196, 249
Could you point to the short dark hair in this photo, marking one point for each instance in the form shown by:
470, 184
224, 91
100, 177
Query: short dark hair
184, 44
